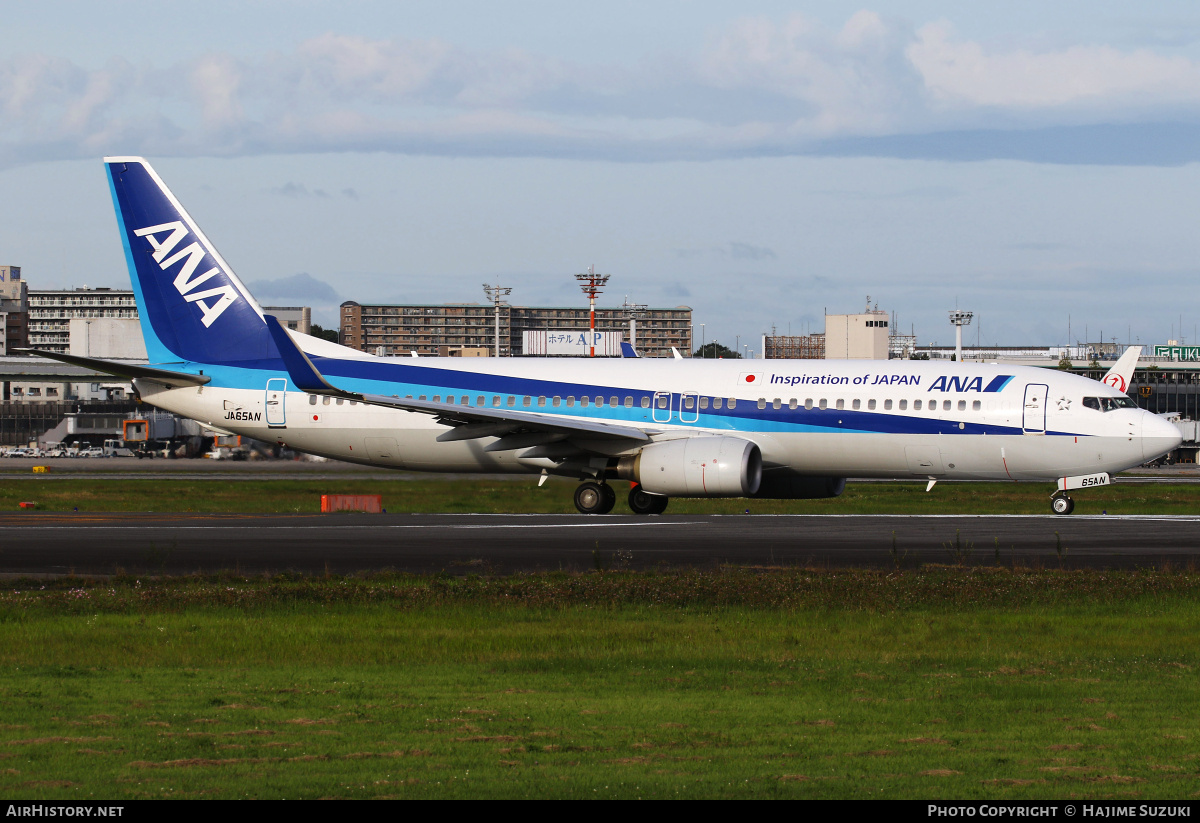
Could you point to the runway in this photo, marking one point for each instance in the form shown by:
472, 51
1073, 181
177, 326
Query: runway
102, 544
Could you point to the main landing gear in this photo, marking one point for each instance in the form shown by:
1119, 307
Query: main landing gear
644, 503
595, 498
599, 498
1061, 504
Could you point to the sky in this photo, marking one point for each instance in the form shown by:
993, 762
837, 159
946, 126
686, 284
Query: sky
762, 162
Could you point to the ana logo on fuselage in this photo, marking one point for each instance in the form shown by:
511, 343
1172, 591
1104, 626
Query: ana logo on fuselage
186, 280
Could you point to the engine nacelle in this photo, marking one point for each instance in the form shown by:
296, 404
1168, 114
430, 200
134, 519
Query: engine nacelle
799, 487
696, 467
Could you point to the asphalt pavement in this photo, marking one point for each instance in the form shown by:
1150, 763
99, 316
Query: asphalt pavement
45, 543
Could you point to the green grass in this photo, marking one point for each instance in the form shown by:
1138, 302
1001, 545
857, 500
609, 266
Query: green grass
952, 683
490, 495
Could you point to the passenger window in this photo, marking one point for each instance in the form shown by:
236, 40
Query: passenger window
945, 405
512, 401
733, 402
962, 405
871, 404
808, 402
776, 403
762, 402
525, 401
628, 402
557, 401
599, 401
541, 401
718, 402
856, 405
976, 406
437, 398
689, 403
662, 401
612, 401
703, 402
422, 397
481, 400
823, 404
312, 400
495, 400
570, 402
887, 404
903, 405
645, 402
916, 405
841, 404
793, 403
583, 401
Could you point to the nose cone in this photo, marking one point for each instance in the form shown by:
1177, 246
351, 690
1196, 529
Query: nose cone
1159, 436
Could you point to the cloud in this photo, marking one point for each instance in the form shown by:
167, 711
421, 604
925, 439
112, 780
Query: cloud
735, 250
295, 288
760, 87
299, 191
745, 251
964, 73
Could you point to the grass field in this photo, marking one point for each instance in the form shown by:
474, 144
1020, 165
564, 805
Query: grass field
942, 682
490, 495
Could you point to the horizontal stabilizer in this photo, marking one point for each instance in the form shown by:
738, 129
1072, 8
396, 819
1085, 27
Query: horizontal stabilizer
302, 371
127, 370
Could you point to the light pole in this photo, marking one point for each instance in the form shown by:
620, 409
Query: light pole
592, 285
497, 294
702, 352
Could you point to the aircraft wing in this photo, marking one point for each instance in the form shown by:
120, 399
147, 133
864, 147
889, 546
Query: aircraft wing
469, 422
1121, 373
127, 370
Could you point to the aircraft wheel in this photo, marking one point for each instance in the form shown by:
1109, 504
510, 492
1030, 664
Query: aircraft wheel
1062, 504
610, 498
645, 503
590, 499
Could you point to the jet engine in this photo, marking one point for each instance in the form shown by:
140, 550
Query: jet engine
696, 467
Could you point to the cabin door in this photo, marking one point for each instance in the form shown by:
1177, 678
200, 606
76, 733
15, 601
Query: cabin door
1033, 421
276, 394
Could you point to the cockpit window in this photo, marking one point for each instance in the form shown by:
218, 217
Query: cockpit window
1107, 404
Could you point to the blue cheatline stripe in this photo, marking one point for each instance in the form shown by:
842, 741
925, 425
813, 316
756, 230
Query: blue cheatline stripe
746, 418
998, 382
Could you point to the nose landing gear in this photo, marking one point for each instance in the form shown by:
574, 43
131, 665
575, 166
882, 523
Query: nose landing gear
595, 498
1061, 504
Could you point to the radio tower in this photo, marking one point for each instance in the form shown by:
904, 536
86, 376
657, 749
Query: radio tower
592, 285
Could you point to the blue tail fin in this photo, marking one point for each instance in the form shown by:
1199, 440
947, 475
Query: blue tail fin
193, 307
627, 350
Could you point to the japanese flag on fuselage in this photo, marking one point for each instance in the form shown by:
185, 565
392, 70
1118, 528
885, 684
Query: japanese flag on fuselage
750, 378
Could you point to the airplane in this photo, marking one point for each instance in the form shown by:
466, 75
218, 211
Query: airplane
793, 429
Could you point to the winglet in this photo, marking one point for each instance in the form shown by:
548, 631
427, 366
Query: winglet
1121, 374
300, 369
627, 350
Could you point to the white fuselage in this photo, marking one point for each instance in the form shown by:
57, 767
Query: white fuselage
885, 419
